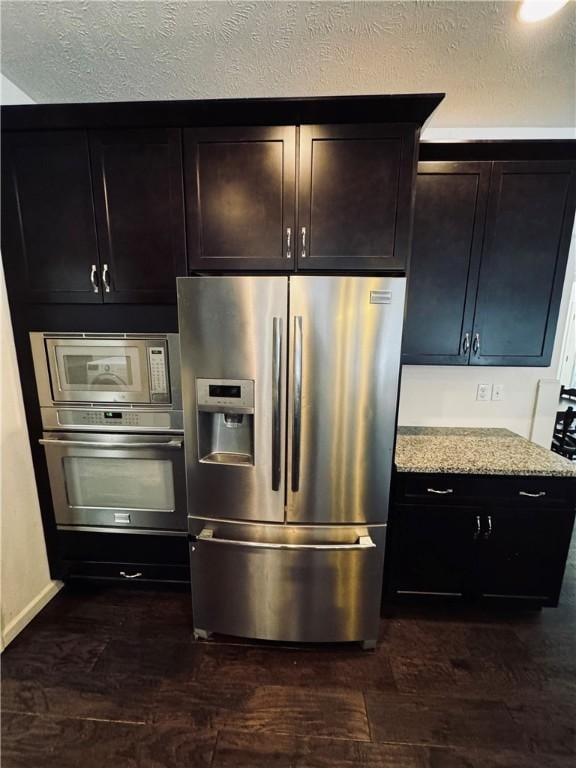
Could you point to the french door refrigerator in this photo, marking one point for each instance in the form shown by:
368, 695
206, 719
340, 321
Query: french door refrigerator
290, 389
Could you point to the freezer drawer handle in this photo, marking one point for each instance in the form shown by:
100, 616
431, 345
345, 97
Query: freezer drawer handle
364, 542
276, 400
104, 445
297, 410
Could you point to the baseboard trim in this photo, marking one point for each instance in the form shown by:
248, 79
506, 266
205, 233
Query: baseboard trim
26, 615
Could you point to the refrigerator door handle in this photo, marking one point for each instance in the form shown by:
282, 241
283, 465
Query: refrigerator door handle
276, 401
297, 410
364, 542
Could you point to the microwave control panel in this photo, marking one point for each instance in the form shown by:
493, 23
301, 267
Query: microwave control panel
158, 375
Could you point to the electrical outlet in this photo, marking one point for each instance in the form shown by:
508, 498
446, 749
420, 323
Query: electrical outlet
498, 392
483, 392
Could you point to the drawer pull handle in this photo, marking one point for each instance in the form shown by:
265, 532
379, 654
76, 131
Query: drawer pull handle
532, 495
130, 575
436, 490
488, 533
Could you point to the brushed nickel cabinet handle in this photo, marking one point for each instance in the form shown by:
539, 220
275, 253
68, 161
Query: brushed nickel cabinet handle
537, 495
130, 575
288, 242
476, 344
435, 490
488, 533
303, 242
478, 530
93, 273
105, 280
466, 343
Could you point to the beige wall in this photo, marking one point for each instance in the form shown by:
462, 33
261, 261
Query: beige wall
25, 581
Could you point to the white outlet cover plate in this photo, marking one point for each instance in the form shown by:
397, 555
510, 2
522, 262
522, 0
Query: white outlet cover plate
483, 392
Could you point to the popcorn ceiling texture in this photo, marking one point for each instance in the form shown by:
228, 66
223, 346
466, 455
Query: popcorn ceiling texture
494, 69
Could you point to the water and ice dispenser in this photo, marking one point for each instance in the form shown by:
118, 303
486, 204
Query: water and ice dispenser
225, 421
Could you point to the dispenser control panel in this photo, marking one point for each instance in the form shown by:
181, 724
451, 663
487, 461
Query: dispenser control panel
225, 395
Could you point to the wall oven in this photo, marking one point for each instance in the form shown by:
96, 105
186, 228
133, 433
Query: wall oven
111, 411
113, 480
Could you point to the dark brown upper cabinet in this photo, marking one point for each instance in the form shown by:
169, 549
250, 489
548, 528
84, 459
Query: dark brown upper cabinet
139, 203
490, 246
448, 229
240, 198
355, 197
49, 241
528, 228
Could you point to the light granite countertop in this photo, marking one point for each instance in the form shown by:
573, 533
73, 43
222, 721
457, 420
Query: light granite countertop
469, 451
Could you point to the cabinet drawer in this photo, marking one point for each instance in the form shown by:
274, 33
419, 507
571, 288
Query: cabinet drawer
126, 572
440, 488
114, 547
448, 489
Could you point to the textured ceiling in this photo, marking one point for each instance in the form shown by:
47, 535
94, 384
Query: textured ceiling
494, 69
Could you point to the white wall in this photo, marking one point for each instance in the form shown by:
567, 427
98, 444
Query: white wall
25, 580
25, 585
446, 395
11, 94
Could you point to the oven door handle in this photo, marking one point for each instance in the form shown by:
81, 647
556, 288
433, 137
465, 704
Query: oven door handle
104, 445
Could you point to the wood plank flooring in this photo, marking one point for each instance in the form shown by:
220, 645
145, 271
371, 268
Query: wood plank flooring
109, 677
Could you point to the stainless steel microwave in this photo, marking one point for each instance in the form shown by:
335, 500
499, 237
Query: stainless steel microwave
132, 369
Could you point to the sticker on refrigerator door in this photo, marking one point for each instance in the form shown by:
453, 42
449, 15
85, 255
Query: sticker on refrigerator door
380, 297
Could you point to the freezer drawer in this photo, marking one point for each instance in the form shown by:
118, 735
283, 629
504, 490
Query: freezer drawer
300, 586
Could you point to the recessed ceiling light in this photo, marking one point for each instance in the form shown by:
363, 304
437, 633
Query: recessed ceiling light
536, 10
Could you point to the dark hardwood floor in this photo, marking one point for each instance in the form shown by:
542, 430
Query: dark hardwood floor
108, 677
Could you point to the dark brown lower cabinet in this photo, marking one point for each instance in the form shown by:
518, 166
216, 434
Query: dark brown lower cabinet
123, 557
433, 548
522, 553
486, 544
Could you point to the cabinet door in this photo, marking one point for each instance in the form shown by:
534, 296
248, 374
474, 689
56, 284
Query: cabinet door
49, 241
443, 276
355, 197
528, 227
432, 549
240, 198
522, 552
140, 213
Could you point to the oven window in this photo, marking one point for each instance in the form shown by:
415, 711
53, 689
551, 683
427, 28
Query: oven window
98, 369
118, 483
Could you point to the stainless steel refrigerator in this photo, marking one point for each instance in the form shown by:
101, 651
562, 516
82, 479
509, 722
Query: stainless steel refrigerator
290, 389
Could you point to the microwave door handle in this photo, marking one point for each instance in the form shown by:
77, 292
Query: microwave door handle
276, 399
297, 406
103, 445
